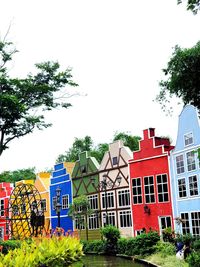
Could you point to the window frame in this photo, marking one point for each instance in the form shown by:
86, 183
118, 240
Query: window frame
194, 188
111, 215
93, 222
185, 229
2, 207
109, 199
189, 165
125, 219
93, 201
123, 196
66, 206
136, 186
181, 166
163, 193
196, 227
178, 187
185, 136
149, 186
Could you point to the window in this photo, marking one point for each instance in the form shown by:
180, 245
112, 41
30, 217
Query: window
195, 217
23, 208
165, 222
162, 186
115, 160
110, 218
180, 164
149, 189
80, 223
15, 210
1, 207
139, 232
125, 218
137, 190
188, 138
124, 198
43, 204
93, 221
185, 223
83, 169
108, 202
1, 233
191, 161
193, 185
182, 188
93, 200
54, 202
65, 201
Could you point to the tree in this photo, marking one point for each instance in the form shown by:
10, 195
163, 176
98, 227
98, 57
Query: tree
80, 210
183, 77
192, 5
24, 101
129, 140
14, 176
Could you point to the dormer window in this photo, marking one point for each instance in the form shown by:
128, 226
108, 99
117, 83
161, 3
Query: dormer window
83, 169
115, 160
188, 138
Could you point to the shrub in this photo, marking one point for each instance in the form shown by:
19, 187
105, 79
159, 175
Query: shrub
165, 248
97, 246
44, 253
194, 259
168, 235
9, 245
122, 245
111, 235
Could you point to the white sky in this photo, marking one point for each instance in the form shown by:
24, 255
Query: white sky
117, 49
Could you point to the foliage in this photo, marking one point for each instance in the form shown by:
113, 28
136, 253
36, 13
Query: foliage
165, 248
192, 5
79, 209
23, 101
182, 77
9, 245
188, 238
44, 253
97, 246
196, 245
86, 144
168, 261
14, 176
131, 141
111, 234
143, 244
194, 259
168, 234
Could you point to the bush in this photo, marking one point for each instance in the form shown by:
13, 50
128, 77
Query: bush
165, 248
9, 245
168, 235
97, 246
111, 235
143, 244
194, 259
58, 252
122, 245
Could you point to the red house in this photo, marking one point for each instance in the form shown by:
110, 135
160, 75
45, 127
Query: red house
150, 184
5, 192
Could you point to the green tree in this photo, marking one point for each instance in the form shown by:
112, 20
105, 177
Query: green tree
129, 140
14, 176
24, 101
80, 210
182, 77
192, 5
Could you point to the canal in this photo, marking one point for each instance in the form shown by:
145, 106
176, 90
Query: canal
106, 261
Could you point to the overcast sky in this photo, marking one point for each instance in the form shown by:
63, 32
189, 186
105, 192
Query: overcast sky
116, 48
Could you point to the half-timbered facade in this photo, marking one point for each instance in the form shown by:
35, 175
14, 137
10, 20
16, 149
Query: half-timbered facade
85, 179
185, 173
150, 184
114, 188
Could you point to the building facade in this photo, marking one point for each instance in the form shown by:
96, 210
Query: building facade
115, 205
185, 173
61, 179
150, 184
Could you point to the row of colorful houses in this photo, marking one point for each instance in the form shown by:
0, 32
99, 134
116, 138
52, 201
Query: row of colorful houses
153, 188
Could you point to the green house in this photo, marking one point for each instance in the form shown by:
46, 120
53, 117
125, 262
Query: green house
85, 179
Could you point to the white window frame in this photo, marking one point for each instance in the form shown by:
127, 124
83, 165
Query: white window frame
162, 192
2, 232
194, 188
54, 202
110, 199
181, 168
195, 223
187, 138
125, 219
191, 165
44, 204
180, 187
111, 218
137, 196
149, 188
93, 222
160, 224
65, 198
124, 196
76, 224
93, 200
185, 229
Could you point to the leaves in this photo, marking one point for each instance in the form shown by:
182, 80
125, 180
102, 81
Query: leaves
192, 5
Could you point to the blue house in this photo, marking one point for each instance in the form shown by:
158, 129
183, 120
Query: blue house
61, 182
185, 173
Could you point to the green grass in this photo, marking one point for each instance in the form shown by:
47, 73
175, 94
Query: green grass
167, 261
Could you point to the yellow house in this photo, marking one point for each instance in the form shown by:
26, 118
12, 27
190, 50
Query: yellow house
20, 204
42, 183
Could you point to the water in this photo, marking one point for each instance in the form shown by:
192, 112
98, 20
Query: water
105, 261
